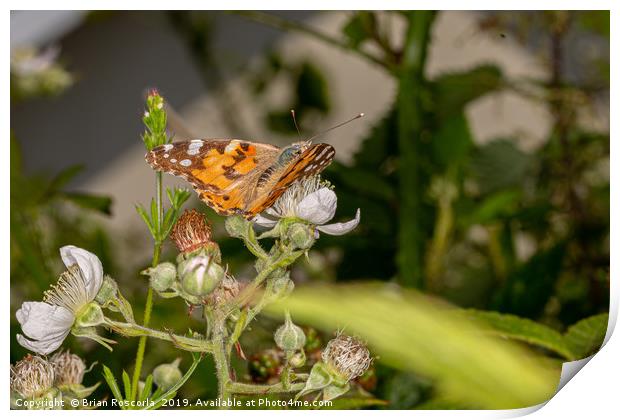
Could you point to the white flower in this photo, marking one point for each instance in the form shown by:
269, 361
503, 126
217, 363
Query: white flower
46, 324
311, 201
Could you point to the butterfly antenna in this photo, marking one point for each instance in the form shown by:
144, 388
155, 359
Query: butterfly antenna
360, 115
295, 122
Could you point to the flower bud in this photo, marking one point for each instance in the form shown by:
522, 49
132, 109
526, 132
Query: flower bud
162, 276
289, 337
192, 232
225, 292
167, 375
282, 287
236, 226
301, 235
107, 292
347, 357
89, 316
32, 377
68, 368
298, 359
200, 275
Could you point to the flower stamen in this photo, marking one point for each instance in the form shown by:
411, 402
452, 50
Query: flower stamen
70, 291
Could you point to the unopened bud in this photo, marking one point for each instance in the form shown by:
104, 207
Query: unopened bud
289, 337
162, 276
282, 287
236, 226
167, 375
301, 235
200, 275
108, 291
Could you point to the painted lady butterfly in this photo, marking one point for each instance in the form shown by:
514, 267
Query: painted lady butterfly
240, 177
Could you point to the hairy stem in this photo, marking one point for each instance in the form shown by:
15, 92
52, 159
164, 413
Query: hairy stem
187, 343
249, 389
148, 307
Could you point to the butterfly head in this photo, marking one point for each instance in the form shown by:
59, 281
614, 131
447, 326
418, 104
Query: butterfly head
291, 152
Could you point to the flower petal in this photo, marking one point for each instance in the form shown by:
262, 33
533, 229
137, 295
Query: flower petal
341, 228
264, 221
40, 320
89, 264
42, 346
47, 325
318, 207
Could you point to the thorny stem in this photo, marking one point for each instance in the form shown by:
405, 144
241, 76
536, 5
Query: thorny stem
148, 307
130, 329
249, 389
220, 357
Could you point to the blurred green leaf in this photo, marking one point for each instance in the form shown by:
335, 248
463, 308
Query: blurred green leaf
498, 165
405, 390
586, 336
522, 329
493, 207
410, 332
63, 178
359, 27
354, 403
452, 141
454, 91
312, 91
100, 203
529, 287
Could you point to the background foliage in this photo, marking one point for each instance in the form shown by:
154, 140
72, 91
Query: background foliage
428, 192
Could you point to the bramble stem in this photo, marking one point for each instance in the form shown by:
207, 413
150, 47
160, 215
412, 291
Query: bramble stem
221, 359
148, 307
249, 389
186, 343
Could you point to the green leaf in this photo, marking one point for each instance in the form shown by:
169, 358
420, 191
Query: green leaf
146, 218
148, 387
495, 206
312, 90
359, 28
498, 165
411, 332
111, 381
127, 385
452, 141
454, 91
99, 203
63, 178
586, 336
522, 329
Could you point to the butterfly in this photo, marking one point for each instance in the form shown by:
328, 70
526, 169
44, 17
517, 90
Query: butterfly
237, 176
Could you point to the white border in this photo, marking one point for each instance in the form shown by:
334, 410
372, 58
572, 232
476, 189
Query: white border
592, 393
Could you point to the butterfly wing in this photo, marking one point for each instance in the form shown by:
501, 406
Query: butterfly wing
311, 162
219, 169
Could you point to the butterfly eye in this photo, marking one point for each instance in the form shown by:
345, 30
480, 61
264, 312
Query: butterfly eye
288, 154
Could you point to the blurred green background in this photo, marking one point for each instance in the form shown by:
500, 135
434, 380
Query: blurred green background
484, 184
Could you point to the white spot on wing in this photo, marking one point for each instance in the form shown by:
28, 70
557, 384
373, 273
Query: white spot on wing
168, 147
173, 160
166, 155
231, 146
186, 162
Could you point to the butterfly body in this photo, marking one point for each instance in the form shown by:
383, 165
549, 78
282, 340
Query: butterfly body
237, 176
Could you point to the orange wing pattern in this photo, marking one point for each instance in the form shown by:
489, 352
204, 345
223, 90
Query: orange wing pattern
226, 173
